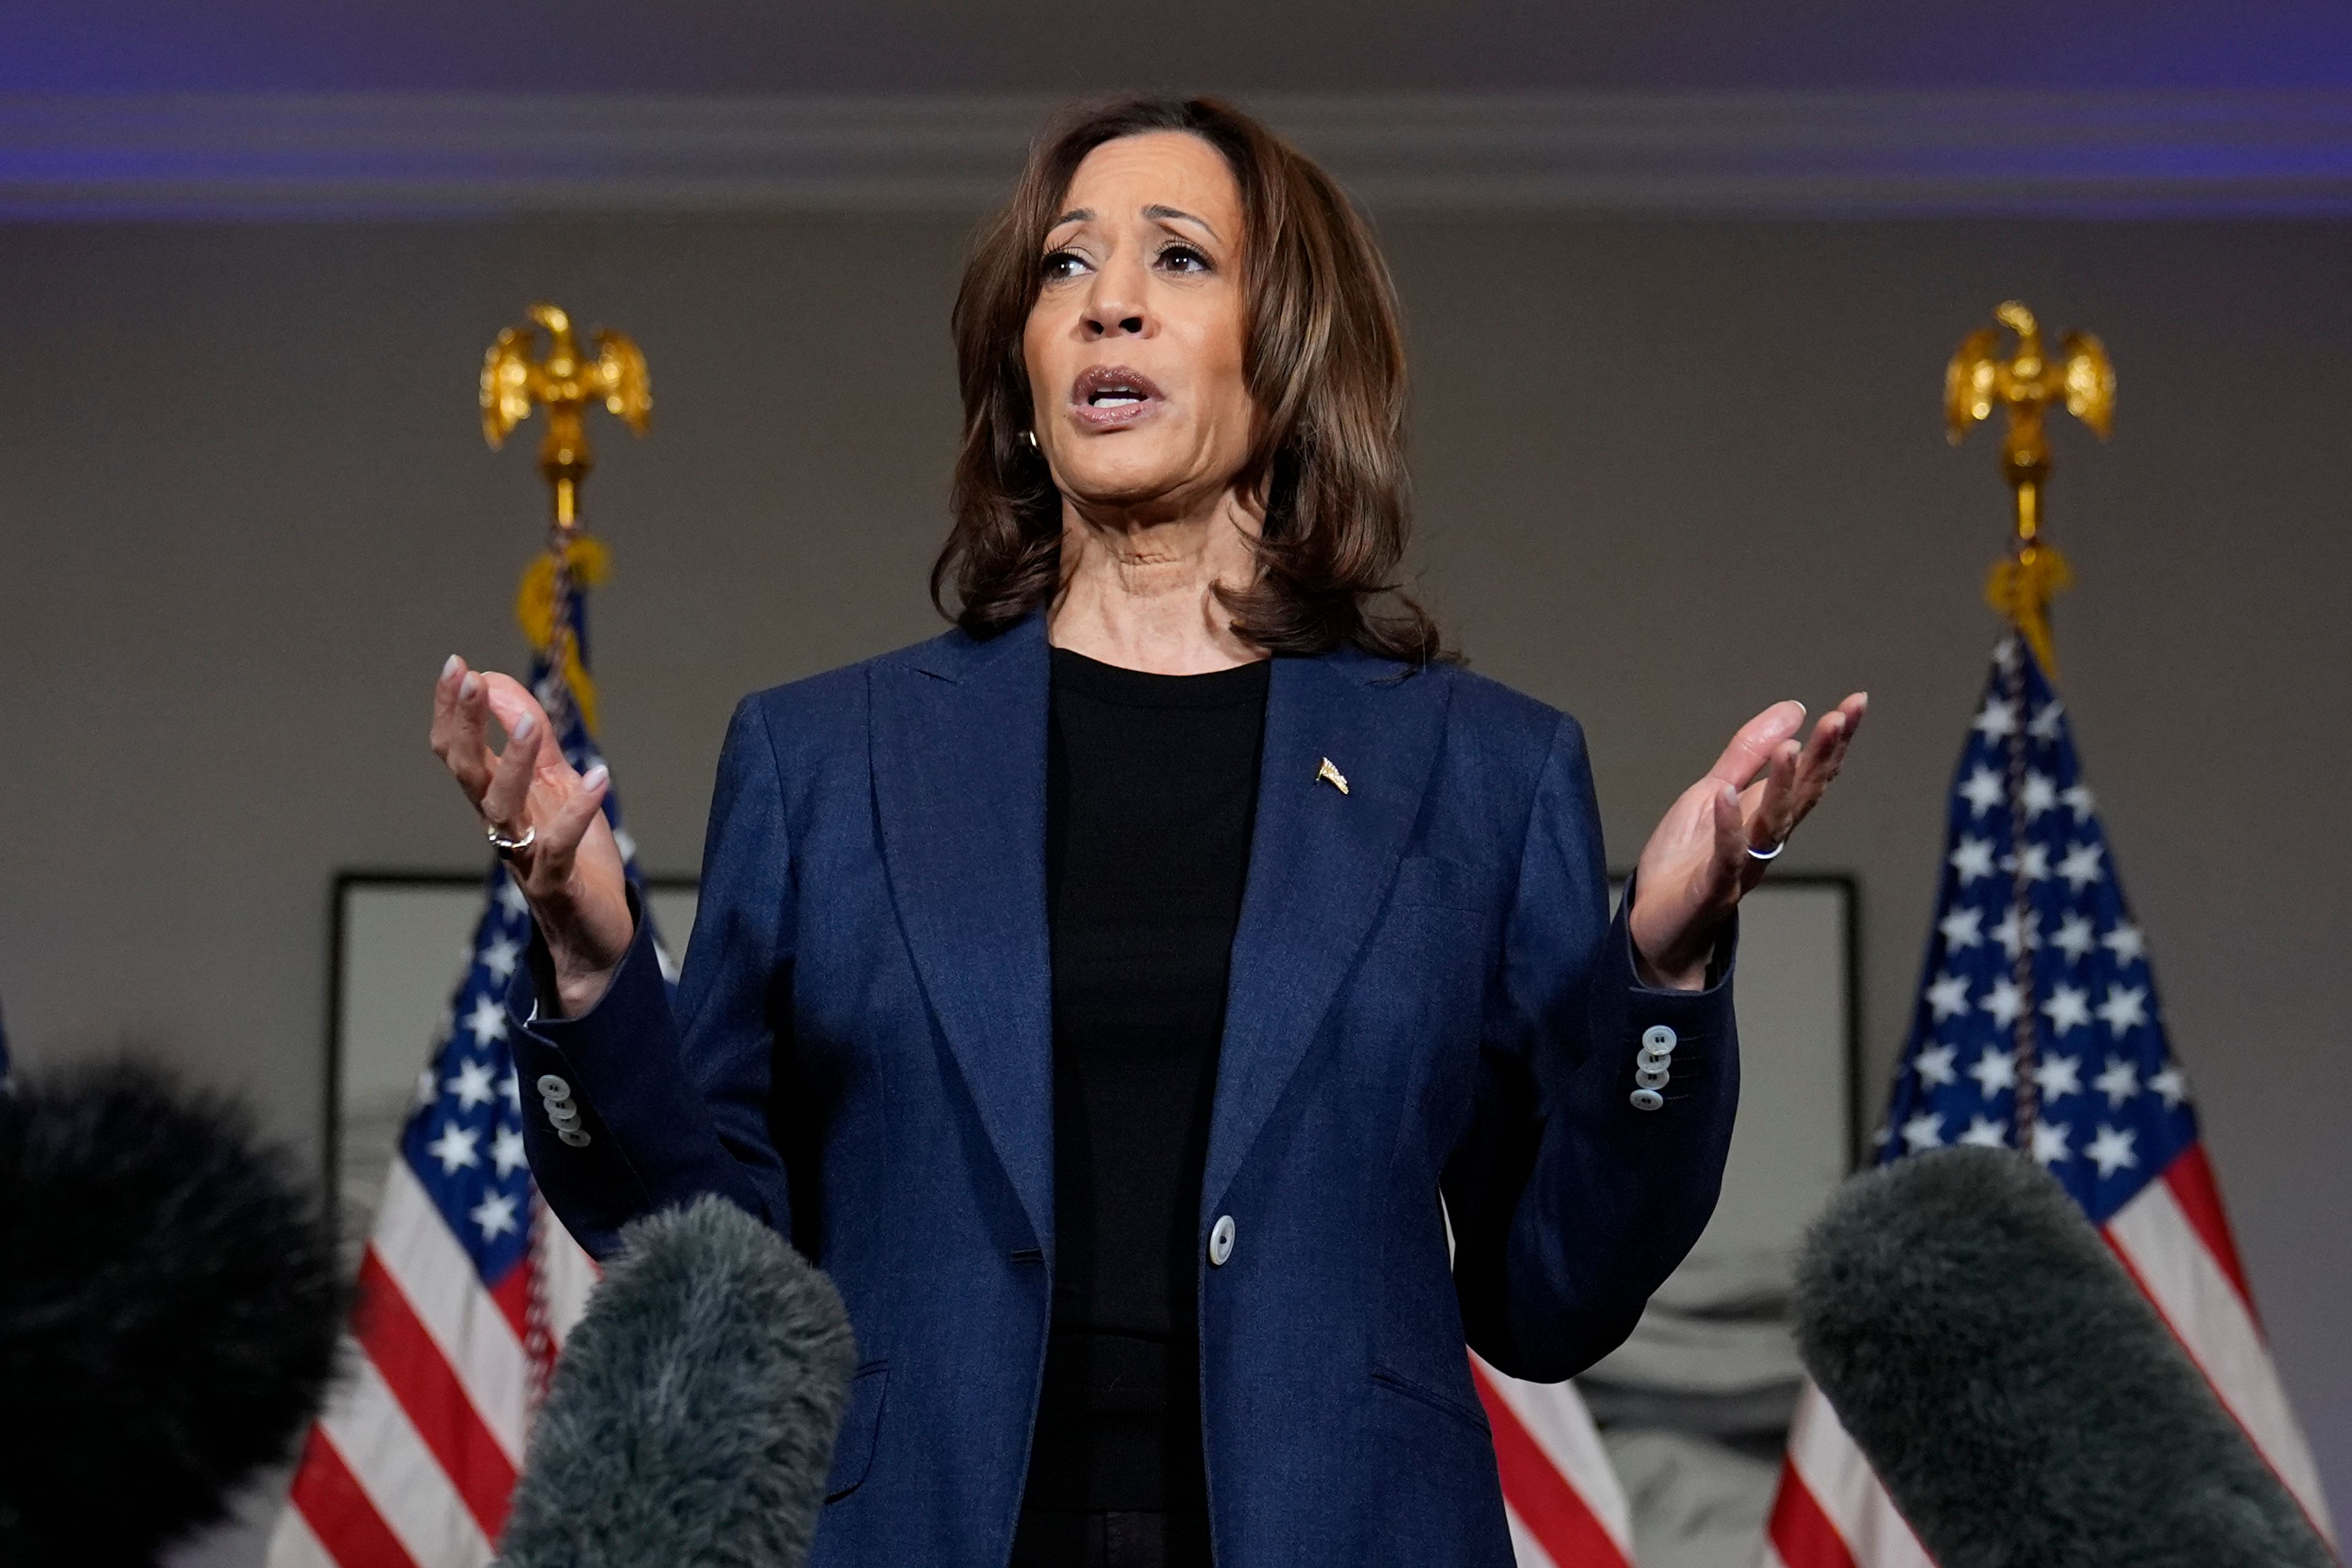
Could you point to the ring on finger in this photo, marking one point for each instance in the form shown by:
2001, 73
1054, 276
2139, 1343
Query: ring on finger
507, 845
1753, 853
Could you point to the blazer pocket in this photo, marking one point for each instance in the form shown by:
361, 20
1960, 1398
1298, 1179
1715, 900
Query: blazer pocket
1433, 881
1468, 1415
852, 1450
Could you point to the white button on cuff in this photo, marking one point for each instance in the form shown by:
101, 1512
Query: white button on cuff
553, 1088
1659, 1038
1220, 1241
1649, 1079
564, 1115
1653, 1061
573, 1136
1647, 1099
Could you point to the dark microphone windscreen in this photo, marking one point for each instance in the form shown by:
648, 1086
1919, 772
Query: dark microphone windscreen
170, 1301
691, 1419
2018, 1395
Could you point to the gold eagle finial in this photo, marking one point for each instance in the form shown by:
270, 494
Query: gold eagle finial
564, 384
1977, 380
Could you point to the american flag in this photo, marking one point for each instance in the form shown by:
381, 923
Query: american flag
469, 1284
2038, 1028
1560, 1495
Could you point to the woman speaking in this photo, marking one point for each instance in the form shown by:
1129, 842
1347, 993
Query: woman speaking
1178, 1007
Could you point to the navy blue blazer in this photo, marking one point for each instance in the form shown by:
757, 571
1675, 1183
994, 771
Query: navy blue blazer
1428, 995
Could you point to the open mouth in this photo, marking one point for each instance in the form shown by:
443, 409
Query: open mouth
1112, 394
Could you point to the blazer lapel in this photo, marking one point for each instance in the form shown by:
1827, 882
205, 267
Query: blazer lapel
959, 757
1320, 861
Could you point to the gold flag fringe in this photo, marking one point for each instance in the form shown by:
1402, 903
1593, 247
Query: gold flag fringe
588, 562
2021, 586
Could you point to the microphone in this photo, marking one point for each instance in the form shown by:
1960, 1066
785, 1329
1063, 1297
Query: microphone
171, 1299
691, 1419
2018, 1395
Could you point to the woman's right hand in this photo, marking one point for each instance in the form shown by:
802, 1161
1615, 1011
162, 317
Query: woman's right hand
571, 871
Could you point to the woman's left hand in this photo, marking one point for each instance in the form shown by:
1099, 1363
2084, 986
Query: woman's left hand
1696, 864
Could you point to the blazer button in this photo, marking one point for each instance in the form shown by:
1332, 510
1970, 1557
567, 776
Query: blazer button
1650, 1079
574, 1136
1647, 1099
1659, 1038
1220, 1241
553, 1088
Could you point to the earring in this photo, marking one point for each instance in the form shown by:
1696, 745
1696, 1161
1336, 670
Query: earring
1030, 437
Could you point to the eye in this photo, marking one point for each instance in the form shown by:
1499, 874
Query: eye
1061, 264
1183, 258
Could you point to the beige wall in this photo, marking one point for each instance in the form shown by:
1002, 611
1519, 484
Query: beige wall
1666, 472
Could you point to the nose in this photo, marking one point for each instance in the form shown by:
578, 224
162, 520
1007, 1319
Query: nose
1115, 305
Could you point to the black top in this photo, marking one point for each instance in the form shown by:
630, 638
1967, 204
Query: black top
1152, 790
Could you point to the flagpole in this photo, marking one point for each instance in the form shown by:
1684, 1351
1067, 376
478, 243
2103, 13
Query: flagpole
2024, 1042
2022, 583
565, 384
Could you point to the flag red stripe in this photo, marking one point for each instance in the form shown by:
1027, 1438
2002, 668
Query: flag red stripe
512, 1295
340, 1514
1551, 1509
420, 1377
2191, 1177
1800, 1531
2253, 1442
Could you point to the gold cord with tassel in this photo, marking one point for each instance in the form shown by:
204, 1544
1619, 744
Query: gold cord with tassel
2021, 587
587, 563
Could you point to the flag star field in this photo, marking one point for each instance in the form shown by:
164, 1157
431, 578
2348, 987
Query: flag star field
2027, 875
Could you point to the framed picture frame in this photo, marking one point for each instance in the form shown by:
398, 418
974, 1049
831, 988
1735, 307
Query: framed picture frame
400, 942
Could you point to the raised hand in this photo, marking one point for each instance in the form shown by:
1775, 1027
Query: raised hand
569, 868
1698, 863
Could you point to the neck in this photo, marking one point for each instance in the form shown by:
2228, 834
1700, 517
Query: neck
1139, 586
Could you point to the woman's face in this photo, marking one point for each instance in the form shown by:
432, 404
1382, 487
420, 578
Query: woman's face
1134, 346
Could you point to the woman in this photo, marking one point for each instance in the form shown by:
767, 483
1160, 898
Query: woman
1107, 992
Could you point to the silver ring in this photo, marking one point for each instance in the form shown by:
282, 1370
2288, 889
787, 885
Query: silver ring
1771, 853
507, 846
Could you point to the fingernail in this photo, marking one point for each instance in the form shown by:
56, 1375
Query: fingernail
1729, 796
450, 668
594, 779
467, 687
523, 727
1801, 707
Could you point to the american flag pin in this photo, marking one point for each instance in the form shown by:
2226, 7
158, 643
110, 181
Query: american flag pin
1337, 779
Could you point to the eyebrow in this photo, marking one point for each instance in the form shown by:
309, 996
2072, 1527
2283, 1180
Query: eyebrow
1085, 215
1161, 212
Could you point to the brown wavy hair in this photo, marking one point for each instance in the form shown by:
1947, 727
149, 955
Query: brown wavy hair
1324, 357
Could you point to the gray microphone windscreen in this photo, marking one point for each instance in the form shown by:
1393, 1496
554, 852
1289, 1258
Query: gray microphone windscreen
691, 1419
2018, 1395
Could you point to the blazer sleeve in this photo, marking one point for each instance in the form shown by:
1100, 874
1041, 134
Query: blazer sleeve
674, 1104
1569, 1205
